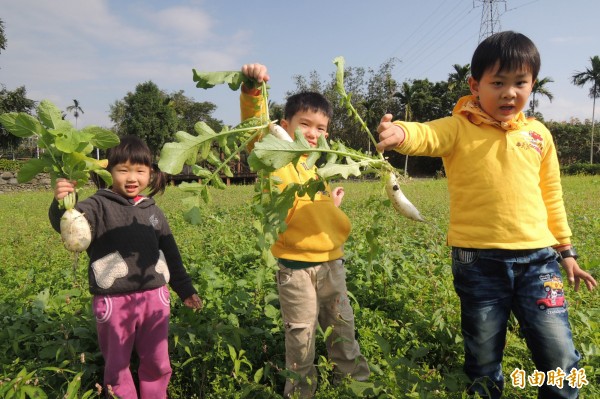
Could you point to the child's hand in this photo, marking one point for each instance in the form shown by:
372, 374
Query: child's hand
62, 188
257, 72
390, 135
337, 194
193, 302
575, 274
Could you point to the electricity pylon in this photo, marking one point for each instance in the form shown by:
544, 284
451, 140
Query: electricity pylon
490, 17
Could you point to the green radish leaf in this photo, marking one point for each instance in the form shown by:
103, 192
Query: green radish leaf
218, 182
193, 216
257, 164
50, 115
32, 168
104, 175
88, 162
339, 77
313, 157
201, 172
68, 141
227, 171
202, 128
21, 124
101, 138
190, 187
277, 153
332, 170
234, 79
72, 162
65, 147
174, 155
84, 148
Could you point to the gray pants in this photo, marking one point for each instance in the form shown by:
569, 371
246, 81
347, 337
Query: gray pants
314, 295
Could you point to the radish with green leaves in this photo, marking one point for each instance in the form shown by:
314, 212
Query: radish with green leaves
279, 132
74, 228
65, 154
399, 200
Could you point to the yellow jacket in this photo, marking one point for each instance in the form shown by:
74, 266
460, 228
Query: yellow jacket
503, 178
316, 230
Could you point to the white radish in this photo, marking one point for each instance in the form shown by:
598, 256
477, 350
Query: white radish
75, 231
399, 200
279, 132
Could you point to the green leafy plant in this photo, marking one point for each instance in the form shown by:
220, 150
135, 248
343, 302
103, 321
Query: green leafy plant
340, 161
65, 154
407, 314
273, 151
65, 150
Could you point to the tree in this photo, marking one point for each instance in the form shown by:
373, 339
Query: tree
2, 36
76, 110
13, 101
189, 112
590, 75
539, 88
146, 113
571, 140
458, 84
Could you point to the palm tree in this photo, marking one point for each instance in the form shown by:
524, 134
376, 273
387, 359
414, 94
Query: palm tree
591, 75
76, 110
458, 80
406, 98
539, 87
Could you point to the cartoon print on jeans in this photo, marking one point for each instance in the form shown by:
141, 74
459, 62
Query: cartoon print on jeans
553, 286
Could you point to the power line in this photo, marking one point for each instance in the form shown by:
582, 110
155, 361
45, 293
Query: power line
441, 31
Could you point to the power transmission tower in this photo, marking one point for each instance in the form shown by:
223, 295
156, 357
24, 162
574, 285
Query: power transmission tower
490, 17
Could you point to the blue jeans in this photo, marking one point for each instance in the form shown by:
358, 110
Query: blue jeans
491, 284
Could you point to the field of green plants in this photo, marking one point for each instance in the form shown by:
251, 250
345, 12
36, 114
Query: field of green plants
407, 313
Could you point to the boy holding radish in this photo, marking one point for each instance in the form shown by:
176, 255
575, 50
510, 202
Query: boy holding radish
311, 279
508, 226
133, 255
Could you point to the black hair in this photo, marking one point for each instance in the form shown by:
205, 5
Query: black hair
307, 101
510, 49
134, 150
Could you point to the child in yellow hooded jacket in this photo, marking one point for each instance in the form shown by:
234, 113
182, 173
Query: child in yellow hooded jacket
508, 225
311, 279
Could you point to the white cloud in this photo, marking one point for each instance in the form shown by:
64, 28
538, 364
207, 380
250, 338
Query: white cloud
185, 23
98, 50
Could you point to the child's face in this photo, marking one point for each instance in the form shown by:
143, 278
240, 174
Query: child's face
502, 94
129, 180
311, 124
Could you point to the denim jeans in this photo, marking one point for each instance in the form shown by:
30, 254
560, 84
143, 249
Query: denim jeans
491, 284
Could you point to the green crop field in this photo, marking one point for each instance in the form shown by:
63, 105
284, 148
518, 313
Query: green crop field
407, 314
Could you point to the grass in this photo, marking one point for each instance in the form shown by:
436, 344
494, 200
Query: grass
406, 311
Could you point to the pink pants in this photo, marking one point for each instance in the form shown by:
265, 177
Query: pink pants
139, 321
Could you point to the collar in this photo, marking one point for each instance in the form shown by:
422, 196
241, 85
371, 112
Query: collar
470, 108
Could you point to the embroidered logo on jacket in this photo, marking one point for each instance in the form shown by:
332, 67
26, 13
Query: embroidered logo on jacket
153, 221
531, 140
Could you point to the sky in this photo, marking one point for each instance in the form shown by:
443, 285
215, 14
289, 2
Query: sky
97, 51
